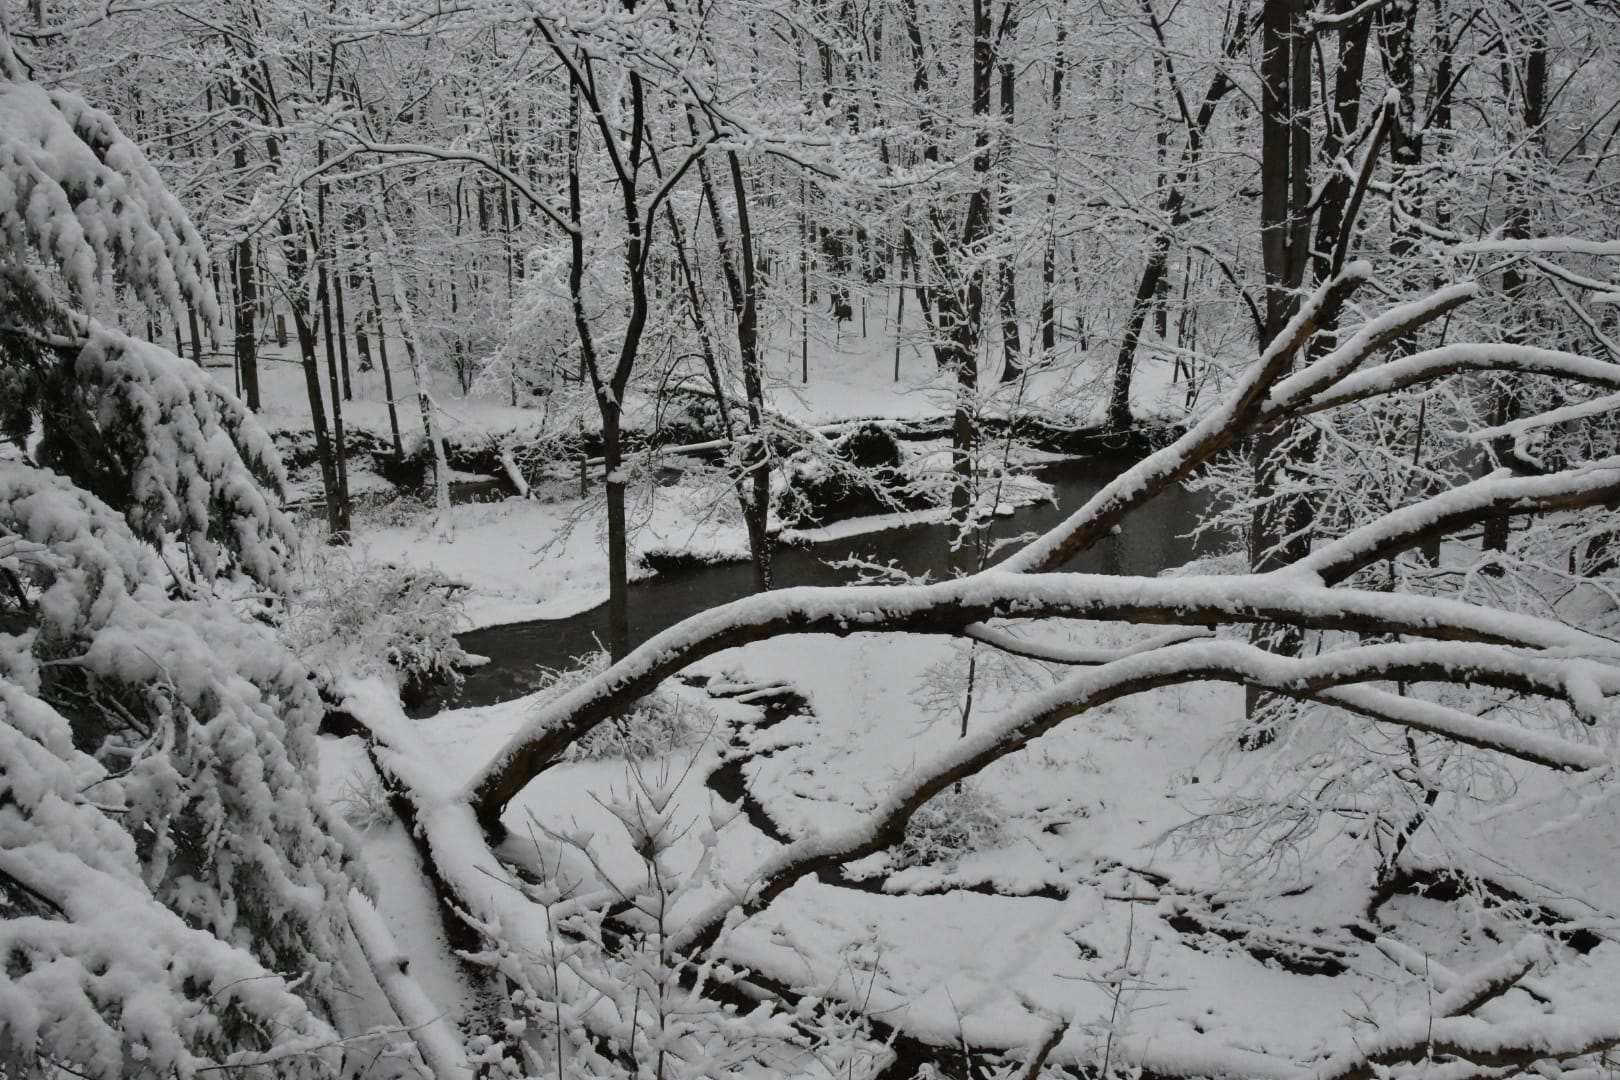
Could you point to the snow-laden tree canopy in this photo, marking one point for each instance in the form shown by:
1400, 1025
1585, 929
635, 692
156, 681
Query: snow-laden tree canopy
169, 890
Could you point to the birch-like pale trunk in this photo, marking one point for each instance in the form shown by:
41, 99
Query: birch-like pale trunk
418, 362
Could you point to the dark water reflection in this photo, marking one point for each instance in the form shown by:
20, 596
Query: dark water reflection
1152, 539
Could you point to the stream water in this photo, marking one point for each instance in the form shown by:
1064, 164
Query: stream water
1152, 539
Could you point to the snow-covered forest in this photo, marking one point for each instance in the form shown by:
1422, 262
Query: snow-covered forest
674, 539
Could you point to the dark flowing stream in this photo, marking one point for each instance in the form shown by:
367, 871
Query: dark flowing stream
1152, 539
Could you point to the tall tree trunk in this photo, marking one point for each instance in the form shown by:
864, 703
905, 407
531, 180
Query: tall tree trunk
1396, 29
244, 281
737, 265
1277, 531
1280, 523
342, 332
297, 257
1012, 349
362, 338
339, 443
1119, 396
419, 369
196, 335
609, 395
382, 358
960, 305
337, 506
1049, 255
1505, 406
759, 457
245, 337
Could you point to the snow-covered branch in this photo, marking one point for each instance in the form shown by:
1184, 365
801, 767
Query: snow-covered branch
1445, 360
949, 607
1222, 428
1327, 677
1597, 484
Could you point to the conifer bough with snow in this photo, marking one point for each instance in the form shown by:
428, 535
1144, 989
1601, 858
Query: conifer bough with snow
170, 890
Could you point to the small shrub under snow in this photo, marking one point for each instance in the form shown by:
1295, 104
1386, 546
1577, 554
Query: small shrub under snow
363, 801
959, 820
372, 617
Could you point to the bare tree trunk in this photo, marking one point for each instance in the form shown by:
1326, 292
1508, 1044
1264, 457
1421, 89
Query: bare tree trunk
196, 335
246, 340
1275, 531
1012, 349
608, 394
362, 339
339, 444
337, 503
737, 264
1279, 525
960, 306
245, 283
419, 370
382, 359
899, 315
1505, 405
1049, 256
342, 332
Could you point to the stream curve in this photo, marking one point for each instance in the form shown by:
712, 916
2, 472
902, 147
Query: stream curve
1152, 539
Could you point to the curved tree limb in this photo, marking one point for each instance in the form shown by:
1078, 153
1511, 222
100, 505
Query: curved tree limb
1441, 515
951, 606
1372, 336
1051, 652
1437, 363
1321, 677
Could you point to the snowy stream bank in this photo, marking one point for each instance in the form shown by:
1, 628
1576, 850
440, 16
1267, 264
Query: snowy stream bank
518, 652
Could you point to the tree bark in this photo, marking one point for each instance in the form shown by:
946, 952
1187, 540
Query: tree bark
1049, 255
339, 446
245, 338
1505, 403
382, 359
1012, 348
737, 265
419, 369
1279, 525
342, 332
244, 282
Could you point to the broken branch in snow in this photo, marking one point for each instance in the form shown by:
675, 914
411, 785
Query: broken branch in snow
433, 1034
1037, 1060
